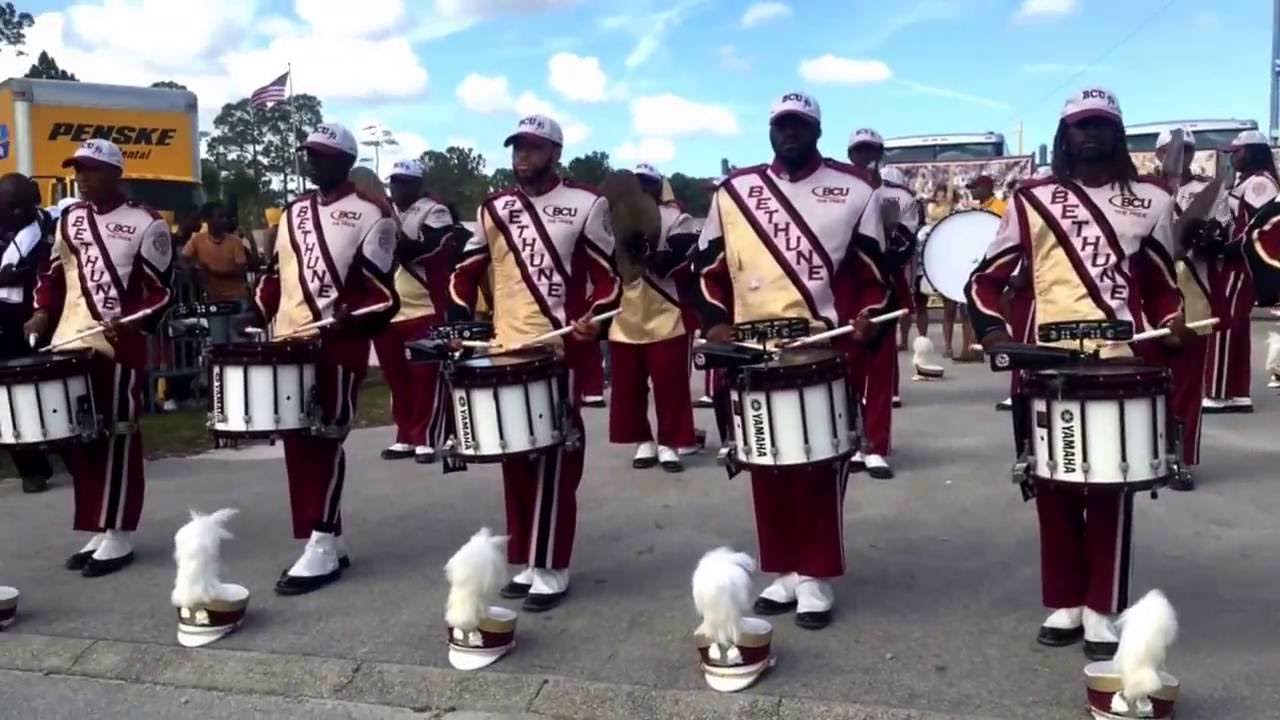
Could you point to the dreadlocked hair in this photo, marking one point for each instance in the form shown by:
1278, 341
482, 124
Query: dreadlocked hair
1258, 158
1124, 172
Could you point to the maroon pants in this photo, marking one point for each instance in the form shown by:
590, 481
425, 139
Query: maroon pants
800, 520
316, 464
871, 372
591, 368
414, 386
1228, 363
542, 491
633, 367
1085, 548
1187, 367
107, 472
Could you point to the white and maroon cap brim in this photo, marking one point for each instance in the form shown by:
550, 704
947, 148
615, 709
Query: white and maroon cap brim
8, 605
1103, 684
89, 162
1094, 112
752, 657
496, 637
212, 621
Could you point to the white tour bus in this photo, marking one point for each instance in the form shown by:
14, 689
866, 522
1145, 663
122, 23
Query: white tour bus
943, 148
1210, 134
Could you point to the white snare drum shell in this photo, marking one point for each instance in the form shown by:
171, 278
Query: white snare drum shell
770, 426
43, 411
507, 419
1119, 446
278, 397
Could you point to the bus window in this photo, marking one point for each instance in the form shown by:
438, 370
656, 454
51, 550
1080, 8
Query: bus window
908, 154
1205, 140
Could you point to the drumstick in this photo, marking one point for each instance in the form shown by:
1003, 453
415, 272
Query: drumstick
1162, 332
566, 330
845, 330
751, 346
327, 322
96, 330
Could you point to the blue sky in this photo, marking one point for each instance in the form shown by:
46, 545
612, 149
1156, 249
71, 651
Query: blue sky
682, 82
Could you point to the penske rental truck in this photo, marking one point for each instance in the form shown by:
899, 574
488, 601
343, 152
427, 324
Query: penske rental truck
43, 121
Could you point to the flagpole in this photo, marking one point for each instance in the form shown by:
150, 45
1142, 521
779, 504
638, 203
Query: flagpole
293, 116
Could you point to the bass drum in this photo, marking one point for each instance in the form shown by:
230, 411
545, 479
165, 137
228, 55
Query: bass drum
955, 246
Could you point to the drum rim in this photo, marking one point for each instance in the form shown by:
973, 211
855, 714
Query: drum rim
791, 377
263, 353
481, 459
255, 434
545, 365
1148, 381
57, 365
924, 267
1115, 487
834, 459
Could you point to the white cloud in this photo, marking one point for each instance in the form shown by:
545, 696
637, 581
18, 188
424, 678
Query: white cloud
925, 89
1032, 10
530, 104
763, 12
650, 30
650, 149
577, 78
731, 60
833, 70
575, 133
672, 116
357, 72
113, 26
484, 93
334, 17
489, 8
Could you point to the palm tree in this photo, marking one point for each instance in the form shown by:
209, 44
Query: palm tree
378, 137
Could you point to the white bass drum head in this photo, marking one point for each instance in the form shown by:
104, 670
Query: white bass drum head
955, 246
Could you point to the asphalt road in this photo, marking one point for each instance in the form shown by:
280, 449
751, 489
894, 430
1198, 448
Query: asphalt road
938, 612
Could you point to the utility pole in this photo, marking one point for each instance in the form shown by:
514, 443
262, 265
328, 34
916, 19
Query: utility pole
1275, 74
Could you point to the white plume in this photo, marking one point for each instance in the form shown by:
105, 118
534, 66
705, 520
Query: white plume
475, 573
196, 548
722, 593
1273, 353
1148, 628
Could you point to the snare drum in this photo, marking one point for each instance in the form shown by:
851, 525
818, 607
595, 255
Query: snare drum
792, 410
259, 390
47, 399
507, 404
1103, 424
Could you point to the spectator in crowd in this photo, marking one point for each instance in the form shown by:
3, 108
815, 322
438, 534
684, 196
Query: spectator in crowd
221, 261
24, 245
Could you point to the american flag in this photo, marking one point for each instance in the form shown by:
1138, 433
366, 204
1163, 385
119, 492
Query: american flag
271, 93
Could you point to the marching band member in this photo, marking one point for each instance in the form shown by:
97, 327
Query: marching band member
1088, 256
110, 260
334, 258
427, 240
649, 341
893, 188
798, 237
562, 230
1227, 371
1188, 366
877, 379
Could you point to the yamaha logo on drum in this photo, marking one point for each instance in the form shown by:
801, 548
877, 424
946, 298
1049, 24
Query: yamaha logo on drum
759, 439
1069, 446
462, 412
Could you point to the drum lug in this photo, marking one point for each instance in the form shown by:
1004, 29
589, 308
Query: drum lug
1052, 465
1021, 470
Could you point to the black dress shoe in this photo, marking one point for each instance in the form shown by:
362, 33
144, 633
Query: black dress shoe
1182, 482
542, 602
515, 591
765, 606
644, 463
1100, 650
883, 472
425, 458
294, 585
1004, 406
390, 454
897, 403
32, 485
78, 560
97, 568
1059, 637
674, 466
813, 620
344, 562
857, 466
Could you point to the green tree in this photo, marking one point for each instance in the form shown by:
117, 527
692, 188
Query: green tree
693, 193
260, 145
502, 178
377, 137
13, 26
168, 85
457, 176
590, 169
46, 68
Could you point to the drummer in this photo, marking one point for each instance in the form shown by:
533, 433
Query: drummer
1086, 259
562, 229
348, 242
752, 258
110, 261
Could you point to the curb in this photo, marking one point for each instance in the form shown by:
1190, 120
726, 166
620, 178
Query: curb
413, 687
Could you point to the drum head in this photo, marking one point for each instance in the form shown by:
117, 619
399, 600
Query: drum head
800, 367
955, 247
1099, 381
43, 366
264, 353
506, 368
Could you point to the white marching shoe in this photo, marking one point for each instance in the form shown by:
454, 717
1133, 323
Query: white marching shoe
113, 553
397, 451
318, 566
548, 589
646, 455
80, 558
424, 454
1065, 626
669, 459
779, 597
814, 599
1100, 639
878, 467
